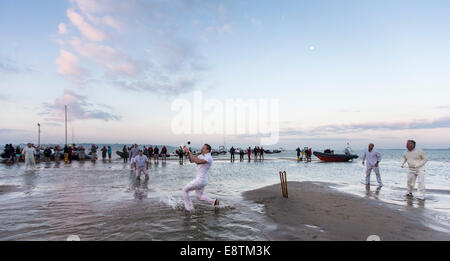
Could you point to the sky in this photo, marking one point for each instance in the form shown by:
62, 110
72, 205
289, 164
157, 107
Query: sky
342, 71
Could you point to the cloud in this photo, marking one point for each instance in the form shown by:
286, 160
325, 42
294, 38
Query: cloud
443, 122
85, 28
69, 65
94, 6
168, 62
169, 87
62, 28
79, 108
7, 65
112, 22
109, 58
3, 97
7, 131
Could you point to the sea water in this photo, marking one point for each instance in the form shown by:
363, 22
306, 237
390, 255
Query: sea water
103, 200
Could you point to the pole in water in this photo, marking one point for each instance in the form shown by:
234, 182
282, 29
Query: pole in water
65, 110
39, 134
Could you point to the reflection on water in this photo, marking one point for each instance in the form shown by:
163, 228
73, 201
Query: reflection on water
104, 201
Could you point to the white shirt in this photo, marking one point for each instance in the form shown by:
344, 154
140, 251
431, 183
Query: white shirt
29, 152
141, 161
202, 170
416, 159
134, 152
372, 157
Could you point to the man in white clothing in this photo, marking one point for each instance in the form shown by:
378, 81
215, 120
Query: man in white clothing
373, 158
204, 162
134, 151
416, 160
140, 165
28, 153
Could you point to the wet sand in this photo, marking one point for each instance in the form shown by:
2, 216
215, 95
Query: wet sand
314, 211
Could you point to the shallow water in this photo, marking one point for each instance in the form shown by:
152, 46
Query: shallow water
103, 201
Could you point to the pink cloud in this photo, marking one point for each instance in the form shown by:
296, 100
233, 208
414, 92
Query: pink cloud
109, 58
85, 28
112, 22
68, 64
80, 108
62, 28
101, 53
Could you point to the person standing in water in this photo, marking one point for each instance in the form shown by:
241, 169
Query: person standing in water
141, 165
180, 155
47, 154
94, 152
156, 151
125, 153
28, 153
416, 160
18, 153
232, 151
81, 153
150, 153
164, 154
348, 149
249, 153
134, 151
66, 153
104, 151
109, 153
57, 154
373, 158
204, 162
70, 153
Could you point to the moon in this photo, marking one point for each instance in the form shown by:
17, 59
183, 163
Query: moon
312, 48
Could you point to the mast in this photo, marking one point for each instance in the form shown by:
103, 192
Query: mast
39, 134
65, 110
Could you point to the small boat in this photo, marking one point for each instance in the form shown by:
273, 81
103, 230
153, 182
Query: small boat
122, 154
221, 151
331, 157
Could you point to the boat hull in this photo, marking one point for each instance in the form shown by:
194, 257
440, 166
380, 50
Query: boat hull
330, 157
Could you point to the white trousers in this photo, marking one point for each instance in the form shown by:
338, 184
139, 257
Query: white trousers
199, 188
377, 172
29, 161
413, 175
139, 171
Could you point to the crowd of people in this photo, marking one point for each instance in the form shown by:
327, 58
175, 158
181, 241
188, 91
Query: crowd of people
128, 153
140, 158
257, 153
67, 153
305, 153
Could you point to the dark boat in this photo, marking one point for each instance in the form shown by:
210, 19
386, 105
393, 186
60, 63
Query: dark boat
331, 157
122, 154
